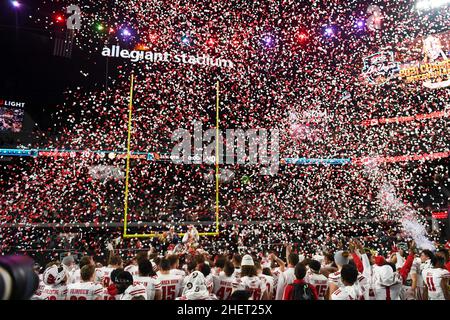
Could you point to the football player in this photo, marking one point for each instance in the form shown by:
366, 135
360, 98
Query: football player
86, 289
55, 280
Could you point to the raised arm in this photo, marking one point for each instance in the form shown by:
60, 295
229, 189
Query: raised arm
356, 259
367, 268
280, 262
406, 268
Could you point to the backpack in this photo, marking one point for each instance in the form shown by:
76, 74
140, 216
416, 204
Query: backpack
302, 292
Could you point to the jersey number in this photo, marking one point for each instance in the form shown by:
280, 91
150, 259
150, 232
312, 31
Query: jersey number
430, 284
168, 292
224, 293
106, 281
321, 290
256, 294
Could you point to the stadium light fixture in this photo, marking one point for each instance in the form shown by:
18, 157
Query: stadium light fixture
268, 40
329, 31
59, 18
126, 33
302, 37
16, 4
186, 40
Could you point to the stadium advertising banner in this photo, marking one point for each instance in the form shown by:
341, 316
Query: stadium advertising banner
428, 61
424, 60
11, 115
440, 215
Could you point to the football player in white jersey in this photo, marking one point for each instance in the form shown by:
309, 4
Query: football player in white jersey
115, 262
410, 286
76, 275
223, 283
219, 264
174, 265
425, 263
196, 288
170, 283
133, 267
237, 265
371, 265
68, 263
288, 276
55, 279
341, 258
437, 280
147, 277
206, 270
266, 276
126, 289
316, 279
405, 270
387, 283
87, 289
111, 292
350, 289
277, 267
250, 281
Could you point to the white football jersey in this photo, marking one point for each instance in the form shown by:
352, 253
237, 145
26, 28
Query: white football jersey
432, 278
71, 275
54, 292
318, 281
134, 291
216, 271
335, 278
269, 284
133, 269
423, 266
151, 284
237, 272
178, 272
362, 282
276, 274
408, 281
209, 282
388, 292
255, 285
105, 276
367, 284
407, 293
84, 291
75, 277
285, 278
354, 292
210, 297
223, 286
419, 268
170, 286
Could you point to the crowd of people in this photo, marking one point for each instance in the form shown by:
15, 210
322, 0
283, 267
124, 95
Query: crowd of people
187, 272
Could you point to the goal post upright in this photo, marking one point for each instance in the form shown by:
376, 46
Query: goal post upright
127, 175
